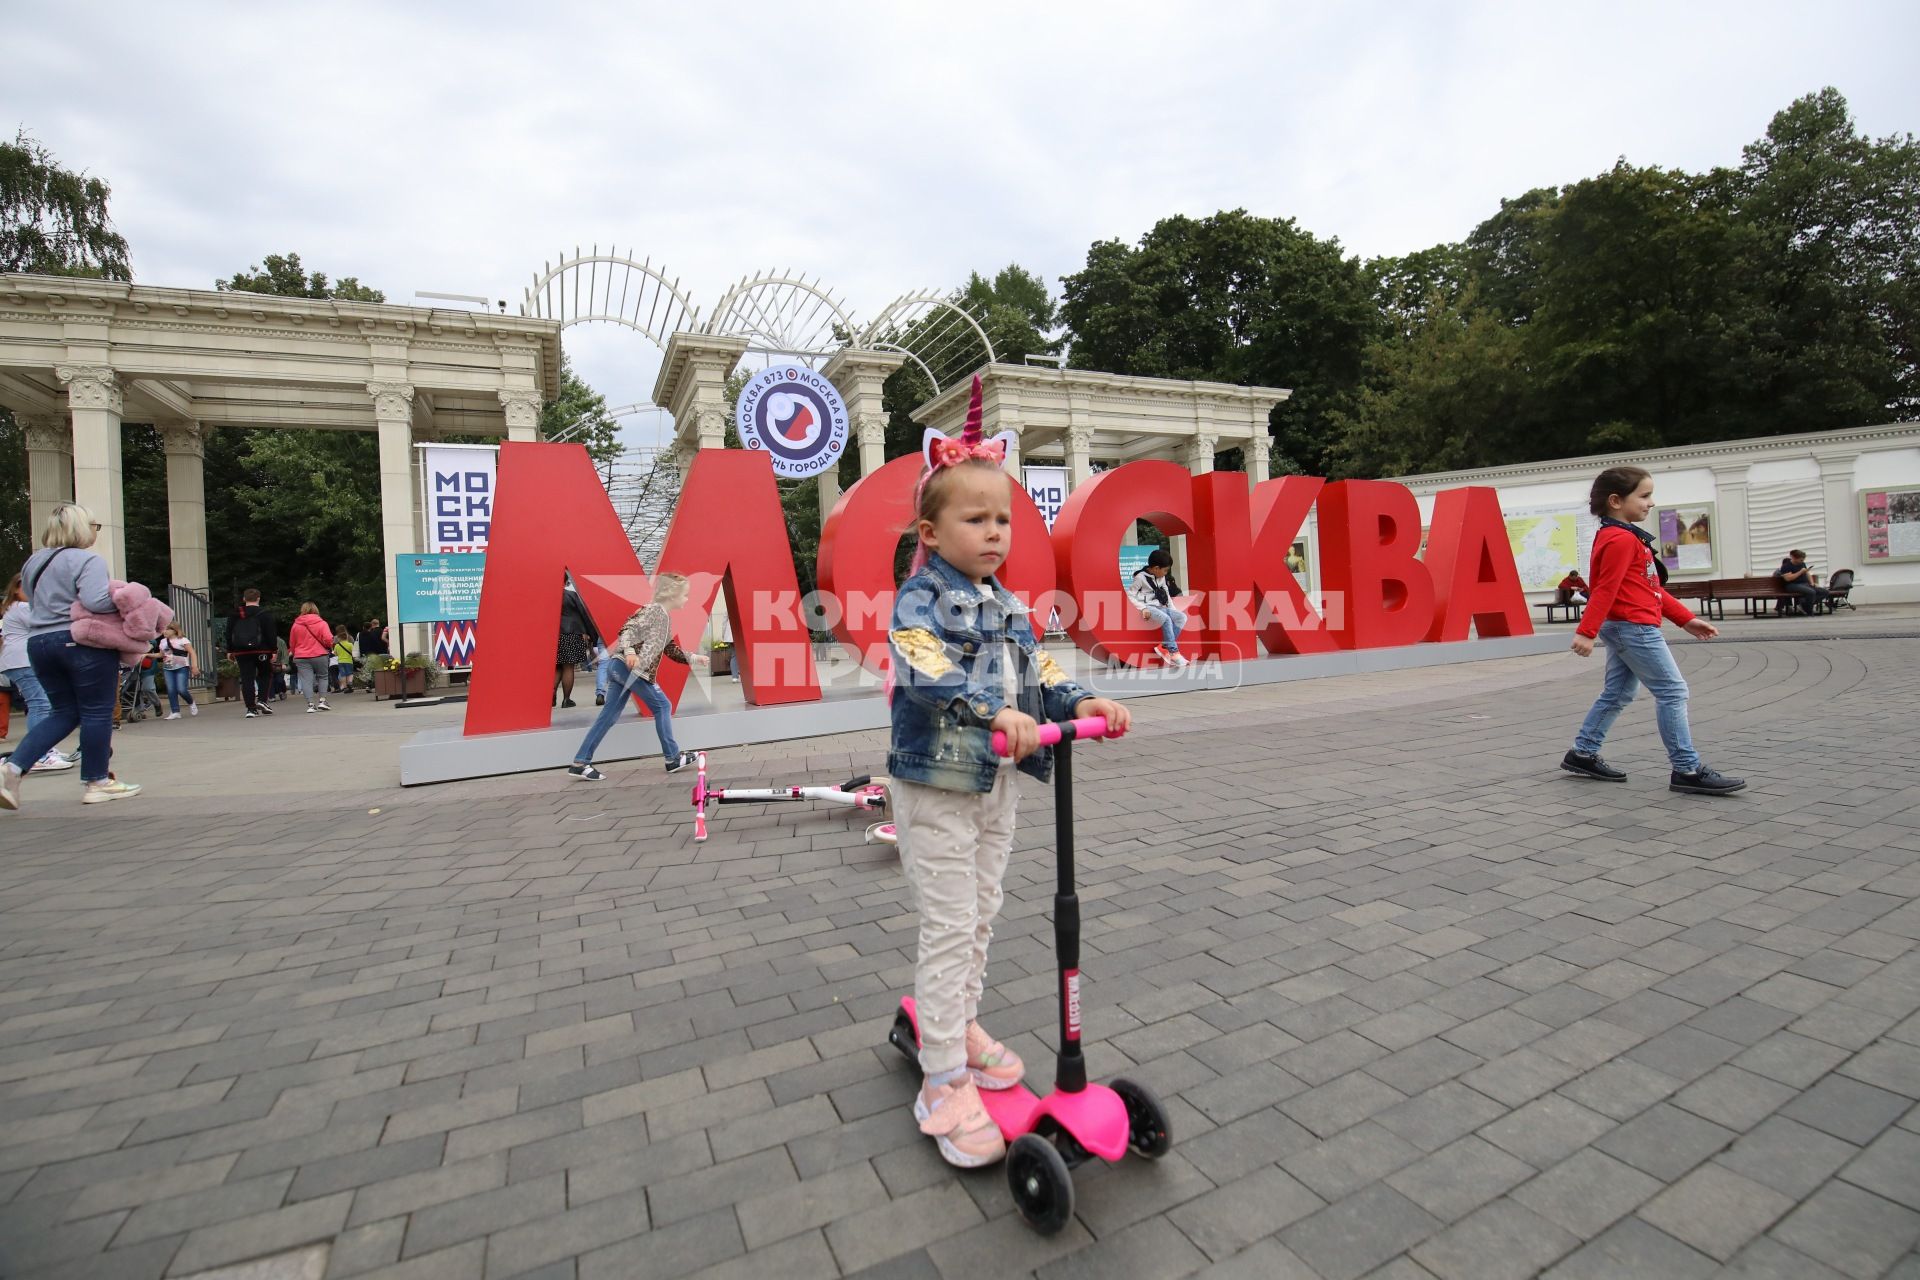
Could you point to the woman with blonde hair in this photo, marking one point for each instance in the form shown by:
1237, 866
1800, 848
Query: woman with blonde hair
635, 661
181, 664
311, 643
80, 681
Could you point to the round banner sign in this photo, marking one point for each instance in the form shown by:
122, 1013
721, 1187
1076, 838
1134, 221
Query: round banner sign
795, 416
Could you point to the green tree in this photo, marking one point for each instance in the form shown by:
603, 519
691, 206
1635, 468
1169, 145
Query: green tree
1231, 298
1834, 252
284, 276
1018, 314
1454, 391
579, 416
54, 221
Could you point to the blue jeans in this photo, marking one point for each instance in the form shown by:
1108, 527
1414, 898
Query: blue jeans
622, 684
177, 678
602, 673
80, 683
1171, 623
1637, 654
28, 684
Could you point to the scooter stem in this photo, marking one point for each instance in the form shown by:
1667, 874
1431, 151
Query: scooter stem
1070, 1071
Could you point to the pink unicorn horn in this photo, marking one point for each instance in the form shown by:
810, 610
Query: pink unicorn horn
976, 415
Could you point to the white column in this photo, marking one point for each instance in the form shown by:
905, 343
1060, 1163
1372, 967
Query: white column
829, 485
1077, 445
393, 412
1200, 453
873, 444
1259, 457
94, 401
522, 408
49, 467
1843, 513
1730, 497
186, 504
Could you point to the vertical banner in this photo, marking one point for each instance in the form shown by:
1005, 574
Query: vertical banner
458, 482
1047, 486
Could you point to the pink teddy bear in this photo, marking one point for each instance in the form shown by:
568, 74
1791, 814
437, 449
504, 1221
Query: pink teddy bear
131, 630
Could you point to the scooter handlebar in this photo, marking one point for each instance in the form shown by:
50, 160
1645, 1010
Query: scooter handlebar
1053, 731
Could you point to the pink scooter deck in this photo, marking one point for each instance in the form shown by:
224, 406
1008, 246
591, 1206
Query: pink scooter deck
1096, 1117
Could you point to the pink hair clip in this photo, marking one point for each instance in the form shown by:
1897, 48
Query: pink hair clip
940, 451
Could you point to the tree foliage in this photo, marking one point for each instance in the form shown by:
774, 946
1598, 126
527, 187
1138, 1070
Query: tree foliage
54, 221
283, 276
579, 416
1230, 298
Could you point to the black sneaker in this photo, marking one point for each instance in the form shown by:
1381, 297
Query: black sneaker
566, 702
675, 766
599, 699
1591, 767
584, 773
265, 710
1706, 782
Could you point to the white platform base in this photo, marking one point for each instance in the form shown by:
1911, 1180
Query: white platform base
854, 702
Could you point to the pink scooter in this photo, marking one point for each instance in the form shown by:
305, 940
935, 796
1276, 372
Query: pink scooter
1052, 1133
869, 795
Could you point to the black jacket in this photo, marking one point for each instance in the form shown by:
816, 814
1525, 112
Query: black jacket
574, 618
251, 629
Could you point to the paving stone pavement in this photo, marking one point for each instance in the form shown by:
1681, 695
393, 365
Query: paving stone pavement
1420, 1006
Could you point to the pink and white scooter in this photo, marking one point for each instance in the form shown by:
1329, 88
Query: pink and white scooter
1052, 1133
866, 794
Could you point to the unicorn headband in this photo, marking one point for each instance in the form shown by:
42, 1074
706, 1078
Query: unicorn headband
940, 451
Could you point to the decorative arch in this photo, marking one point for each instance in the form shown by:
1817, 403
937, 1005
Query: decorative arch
783, 314
613, 288
930, 328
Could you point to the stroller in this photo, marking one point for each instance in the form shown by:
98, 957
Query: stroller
137, 695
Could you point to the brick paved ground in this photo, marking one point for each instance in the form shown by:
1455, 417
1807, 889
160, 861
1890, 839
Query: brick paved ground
1420, 1004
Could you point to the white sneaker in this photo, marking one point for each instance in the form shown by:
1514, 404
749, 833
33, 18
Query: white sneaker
252, 715
323, 705
54, 762
9, 787
172, 715
193, 708
311, 710
111, 789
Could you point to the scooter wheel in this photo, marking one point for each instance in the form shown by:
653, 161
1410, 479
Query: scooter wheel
901, 1036
1042, 1188
1149, 1133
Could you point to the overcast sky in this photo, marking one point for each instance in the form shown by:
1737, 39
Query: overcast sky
884, 148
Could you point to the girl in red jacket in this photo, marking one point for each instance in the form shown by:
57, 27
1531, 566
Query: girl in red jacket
1625, 608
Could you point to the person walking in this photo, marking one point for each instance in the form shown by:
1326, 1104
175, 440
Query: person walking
311, 643
252, 641
79, 680
181, 664
643, 642
342, 662
373, 640
14, 627
1626, 606
578, 636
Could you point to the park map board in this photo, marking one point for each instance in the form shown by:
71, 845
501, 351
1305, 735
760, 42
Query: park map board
1549, 543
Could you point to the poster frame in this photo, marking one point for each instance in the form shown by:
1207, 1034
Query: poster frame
1860, 500
1713, 547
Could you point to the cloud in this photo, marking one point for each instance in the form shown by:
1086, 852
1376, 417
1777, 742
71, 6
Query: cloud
456, 147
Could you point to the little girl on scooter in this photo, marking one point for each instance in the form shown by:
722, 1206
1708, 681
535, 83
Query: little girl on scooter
964, 664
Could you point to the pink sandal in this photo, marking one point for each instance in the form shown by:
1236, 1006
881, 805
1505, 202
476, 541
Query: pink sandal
994, 1066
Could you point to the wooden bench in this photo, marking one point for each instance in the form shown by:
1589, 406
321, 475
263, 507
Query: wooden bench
1573, 611
1753, 593
1710, 605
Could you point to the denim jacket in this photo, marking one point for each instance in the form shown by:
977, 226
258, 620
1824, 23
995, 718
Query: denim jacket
946, 643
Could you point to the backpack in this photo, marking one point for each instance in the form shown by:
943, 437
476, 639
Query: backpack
245, 632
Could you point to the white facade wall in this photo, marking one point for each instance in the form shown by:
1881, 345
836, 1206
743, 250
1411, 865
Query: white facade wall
1769, 495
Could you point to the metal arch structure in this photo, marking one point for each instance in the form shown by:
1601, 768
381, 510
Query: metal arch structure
613, 288
783, 314
934, 331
